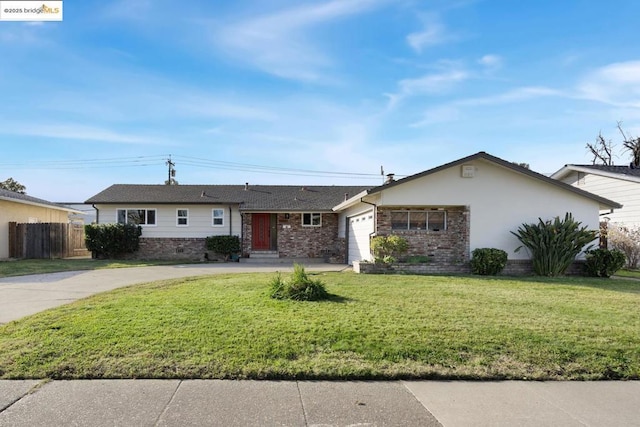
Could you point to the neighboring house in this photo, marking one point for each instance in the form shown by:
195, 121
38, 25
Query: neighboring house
20, 208
620, 183
444, 213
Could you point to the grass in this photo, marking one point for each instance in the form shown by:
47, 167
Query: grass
635, 274
39, 266
378, 327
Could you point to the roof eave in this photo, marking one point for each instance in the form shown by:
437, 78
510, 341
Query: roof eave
351, 201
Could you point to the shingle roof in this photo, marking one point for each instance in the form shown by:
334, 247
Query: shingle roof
622, 170
254, 197
23, 198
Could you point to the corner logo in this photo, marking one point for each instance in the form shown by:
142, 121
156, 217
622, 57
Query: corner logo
46, 9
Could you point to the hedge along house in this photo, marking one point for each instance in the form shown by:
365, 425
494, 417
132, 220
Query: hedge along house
474, 202
273, 222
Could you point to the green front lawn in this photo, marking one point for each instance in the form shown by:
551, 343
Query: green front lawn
635, 274
379, 327
39, 266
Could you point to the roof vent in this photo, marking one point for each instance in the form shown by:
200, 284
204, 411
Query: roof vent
203, 194
303, 189
346, 196
468, 171
390, 178
246, 186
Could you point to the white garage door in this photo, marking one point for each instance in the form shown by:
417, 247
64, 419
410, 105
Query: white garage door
360, 227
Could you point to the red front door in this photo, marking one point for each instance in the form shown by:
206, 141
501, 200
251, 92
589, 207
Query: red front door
261, 232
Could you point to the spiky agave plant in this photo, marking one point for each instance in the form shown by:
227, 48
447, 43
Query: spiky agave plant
554, 244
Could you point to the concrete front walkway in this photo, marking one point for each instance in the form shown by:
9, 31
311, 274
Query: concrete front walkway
318, 403
25, 295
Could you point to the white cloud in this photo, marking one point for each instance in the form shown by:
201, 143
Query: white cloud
433, 33
442, 114
616, 84
76, 131
491, 61
429, 84
279, 43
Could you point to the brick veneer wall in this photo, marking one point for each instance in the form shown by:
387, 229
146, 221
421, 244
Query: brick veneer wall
447, 247
513, 268
296, 241
188, 249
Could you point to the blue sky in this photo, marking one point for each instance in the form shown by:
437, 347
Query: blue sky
266, 91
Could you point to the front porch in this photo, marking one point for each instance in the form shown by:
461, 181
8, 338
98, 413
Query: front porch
272, 236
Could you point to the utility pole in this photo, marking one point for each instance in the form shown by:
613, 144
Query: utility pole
171, 178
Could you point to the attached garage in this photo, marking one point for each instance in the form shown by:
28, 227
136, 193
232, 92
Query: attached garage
359, 229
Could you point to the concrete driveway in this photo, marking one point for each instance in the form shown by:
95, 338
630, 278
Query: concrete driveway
25, 295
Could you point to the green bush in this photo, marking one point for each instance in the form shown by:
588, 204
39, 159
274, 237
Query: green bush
488, 261
386, 249
112, 240
223, 245
555, 244
604, 262
299, 287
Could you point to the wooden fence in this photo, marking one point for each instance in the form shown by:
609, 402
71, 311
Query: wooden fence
46, 240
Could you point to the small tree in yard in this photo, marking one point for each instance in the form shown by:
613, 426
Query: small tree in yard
223, 245
386, 249
555, 244
626, 240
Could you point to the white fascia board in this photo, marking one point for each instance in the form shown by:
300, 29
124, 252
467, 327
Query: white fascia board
569, 168
350, 202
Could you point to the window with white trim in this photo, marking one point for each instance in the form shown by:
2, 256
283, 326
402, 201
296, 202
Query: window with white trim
312, 219
182, 217
217, 216
137, 216
435, 220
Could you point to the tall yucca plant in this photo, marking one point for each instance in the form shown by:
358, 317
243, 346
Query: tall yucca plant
555, 244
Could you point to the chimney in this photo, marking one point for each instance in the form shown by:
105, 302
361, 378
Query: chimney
246, 186
389, 178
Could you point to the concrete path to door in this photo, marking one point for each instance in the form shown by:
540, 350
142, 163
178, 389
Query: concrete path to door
25, 295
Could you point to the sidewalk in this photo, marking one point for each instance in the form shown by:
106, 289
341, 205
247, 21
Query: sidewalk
317, 403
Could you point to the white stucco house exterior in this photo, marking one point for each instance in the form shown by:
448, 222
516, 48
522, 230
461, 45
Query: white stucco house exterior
620, 183
473, 202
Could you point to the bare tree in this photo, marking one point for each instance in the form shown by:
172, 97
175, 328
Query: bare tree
602, 151
632, 145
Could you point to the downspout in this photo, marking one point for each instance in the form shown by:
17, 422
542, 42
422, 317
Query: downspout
230, 221
97, 213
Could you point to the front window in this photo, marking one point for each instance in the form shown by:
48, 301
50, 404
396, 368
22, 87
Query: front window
137, 216
311, 219
218, 217
182, 217
419, 220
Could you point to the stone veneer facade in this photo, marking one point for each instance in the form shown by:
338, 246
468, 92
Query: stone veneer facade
448, 247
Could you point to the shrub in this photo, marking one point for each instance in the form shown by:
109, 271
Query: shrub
555, 244
299, 287
386, 249
112, 240
626, 240
223, 245
488, 261
604, 262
